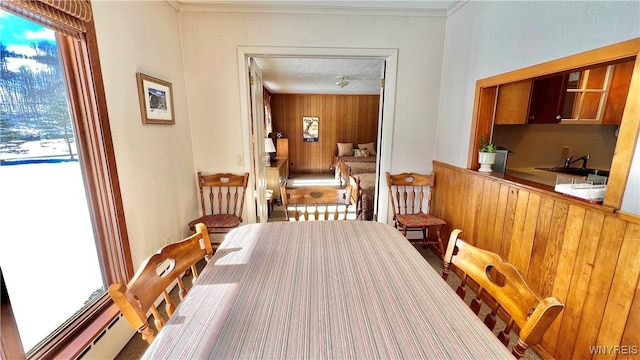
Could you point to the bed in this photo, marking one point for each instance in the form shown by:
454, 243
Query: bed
352, 153
363, 190
363, 162
356, 165
361, 158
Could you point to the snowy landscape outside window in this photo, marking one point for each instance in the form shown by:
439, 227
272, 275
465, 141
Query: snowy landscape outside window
47, 236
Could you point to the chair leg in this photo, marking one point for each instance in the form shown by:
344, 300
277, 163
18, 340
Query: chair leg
425, 240
440, 243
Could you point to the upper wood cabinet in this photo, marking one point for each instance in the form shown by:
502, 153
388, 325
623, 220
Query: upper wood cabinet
594, 95
513, 103
586, 95
618, 90
597, 95
547, 98
536, 101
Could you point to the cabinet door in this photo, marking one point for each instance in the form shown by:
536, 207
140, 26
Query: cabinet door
618, 91
513, 103
547, 98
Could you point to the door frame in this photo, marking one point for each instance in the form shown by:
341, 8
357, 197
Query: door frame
386, 118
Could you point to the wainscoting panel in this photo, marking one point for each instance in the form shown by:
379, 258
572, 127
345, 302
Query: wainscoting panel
586, 255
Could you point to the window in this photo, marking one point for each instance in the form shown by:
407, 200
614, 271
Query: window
88, 155
42, 189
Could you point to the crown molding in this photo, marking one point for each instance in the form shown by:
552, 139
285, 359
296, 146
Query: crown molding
309, 9
455, 6
174, 4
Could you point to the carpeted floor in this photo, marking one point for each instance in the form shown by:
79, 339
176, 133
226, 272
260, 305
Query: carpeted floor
136, 346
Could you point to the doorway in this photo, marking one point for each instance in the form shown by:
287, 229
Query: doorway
385, 123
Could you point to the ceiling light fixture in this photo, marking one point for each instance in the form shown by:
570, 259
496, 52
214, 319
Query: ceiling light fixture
343, 81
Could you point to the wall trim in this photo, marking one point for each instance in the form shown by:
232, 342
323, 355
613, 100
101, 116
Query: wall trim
174, 4
312, 9
455, 6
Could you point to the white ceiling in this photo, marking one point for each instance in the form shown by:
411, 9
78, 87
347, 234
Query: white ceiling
319, 76
316, 75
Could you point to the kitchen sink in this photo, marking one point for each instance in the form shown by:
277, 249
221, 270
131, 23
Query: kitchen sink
577, 171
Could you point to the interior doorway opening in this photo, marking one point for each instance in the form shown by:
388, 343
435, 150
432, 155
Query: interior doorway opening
254, 148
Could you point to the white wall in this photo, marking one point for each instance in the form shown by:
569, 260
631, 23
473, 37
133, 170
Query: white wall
210, 43
155, 162
485, 38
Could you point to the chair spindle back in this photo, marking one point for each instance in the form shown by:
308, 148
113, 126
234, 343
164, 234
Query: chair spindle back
226, 193
324, 203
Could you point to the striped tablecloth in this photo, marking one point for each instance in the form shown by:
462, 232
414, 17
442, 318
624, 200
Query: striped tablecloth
322, 290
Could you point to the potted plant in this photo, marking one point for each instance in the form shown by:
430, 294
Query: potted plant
486, 155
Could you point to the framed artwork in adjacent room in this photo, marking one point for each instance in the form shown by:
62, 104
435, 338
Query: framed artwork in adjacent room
310, 128
156, 100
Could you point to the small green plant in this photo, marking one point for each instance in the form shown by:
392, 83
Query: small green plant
486, 147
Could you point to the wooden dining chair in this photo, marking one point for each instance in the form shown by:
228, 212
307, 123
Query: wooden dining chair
222, 200
316, 203
506, 290
410, 195
155, 275
346, 179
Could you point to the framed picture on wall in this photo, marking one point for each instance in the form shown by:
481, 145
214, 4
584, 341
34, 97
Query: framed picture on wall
156, 100
310, 128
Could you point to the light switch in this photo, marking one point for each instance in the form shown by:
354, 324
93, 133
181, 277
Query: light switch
240, 160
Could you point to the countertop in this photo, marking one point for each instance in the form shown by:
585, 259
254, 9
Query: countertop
535, 175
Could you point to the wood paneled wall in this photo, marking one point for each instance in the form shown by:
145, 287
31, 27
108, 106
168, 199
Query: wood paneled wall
342, 118
584, 255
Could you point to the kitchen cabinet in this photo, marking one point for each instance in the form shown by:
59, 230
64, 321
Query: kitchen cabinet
547, 99
592, 96
598, 95
537, 101
618, 90
513, 103
586, 95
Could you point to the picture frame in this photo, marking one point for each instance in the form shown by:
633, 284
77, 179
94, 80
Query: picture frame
156, 100
310, 128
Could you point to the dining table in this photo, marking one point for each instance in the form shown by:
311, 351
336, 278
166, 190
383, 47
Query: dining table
322, 290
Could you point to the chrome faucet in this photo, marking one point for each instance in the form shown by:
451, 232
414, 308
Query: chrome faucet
570, 160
